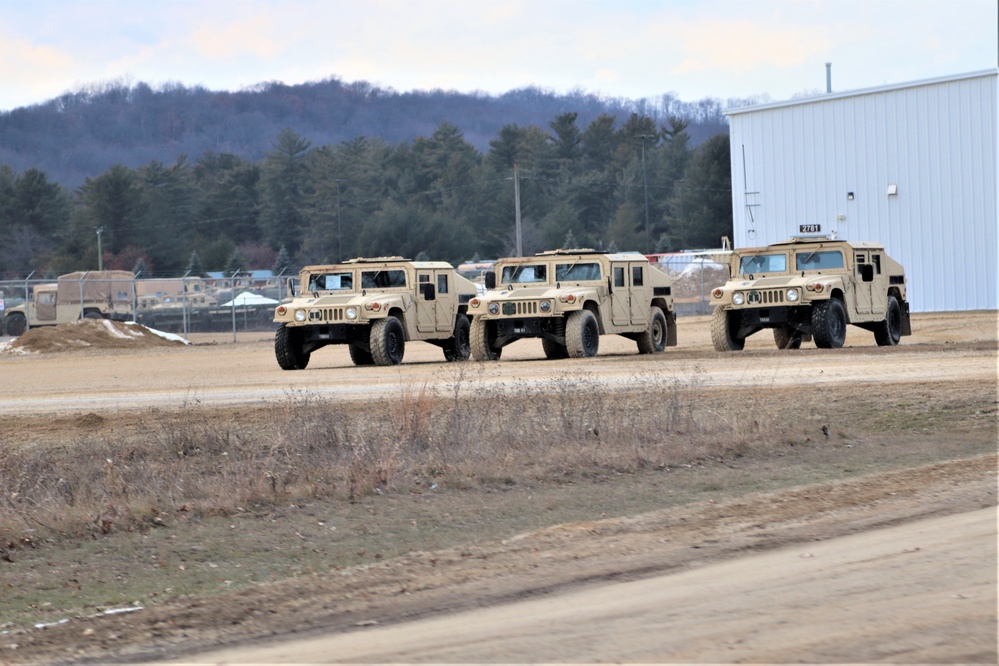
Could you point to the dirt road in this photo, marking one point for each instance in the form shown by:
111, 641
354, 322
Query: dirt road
916, 592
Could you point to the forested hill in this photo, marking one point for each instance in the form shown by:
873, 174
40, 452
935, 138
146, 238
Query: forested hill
82, 134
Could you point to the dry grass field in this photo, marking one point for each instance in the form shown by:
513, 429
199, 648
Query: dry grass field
206, 498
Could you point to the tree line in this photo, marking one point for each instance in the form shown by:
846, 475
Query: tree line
639, 185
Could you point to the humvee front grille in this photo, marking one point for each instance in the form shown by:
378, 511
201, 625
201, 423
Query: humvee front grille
765, 296
326, 314
519, 308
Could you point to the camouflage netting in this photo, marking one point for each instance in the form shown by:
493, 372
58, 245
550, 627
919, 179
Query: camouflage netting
88, 334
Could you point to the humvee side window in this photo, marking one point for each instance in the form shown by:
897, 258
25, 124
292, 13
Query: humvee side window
525, 274
877, 263
442, 283
383, 279
619, 276
637, 276
577, 272
763, 263
819, 260
331, 281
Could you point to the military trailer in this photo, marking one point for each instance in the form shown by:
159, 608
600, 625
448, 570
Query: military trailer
569, 298
374, 306
90, 294
809, 289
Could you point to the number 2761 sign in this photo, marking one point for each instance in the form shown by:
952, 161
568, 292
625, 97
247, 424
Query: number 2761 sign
809, 228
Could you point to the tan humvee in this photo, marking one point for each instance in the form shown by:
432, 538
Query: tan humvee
569, 298
809, 288
90, 294
374, 306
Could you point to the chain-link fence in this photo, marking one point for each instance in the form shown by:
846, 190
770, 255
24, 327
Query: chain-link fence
173, 305
694, 275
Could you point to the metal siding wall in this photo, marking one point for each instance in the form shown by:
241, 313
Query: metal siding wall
937, 142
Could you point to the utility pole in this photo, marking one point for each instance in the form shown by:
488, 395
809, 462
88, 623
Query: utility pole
100, 251
683, 242
516, 199
645, 189
339, 228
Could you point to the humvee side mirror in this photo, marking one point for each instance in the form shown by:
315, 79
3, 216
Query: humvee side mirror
867, 272
490, 278
427, 290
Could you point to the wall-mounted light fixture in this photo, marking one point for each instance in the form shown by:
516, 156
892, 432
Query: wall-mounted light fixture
892, 189
849, 196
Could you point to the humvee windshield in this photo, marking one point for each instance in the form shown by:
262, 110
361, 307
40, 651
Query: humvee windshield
763, 263
343, 281
525, 274
577, 272
814, 261
383, 279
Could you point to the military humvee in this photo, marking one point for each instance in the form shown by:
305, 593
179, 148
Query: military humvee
374, 306
810, 288
569, 298
83, 294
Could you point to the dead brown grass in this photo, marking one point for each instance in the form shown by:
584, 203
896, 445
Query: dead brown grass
315, 448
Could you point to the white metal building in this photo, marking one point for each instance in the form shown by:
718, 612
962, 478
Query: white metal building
913, 166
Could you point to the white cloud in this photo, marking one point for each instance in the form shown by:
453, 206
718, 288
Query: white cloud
622, 48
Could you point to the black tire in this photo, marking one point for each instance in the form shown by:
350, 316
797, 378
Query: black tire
482, 338
582, 334
15, 324
288, 349
360, 356
459, 348
653, 339
554, 350
889, 332
723, 331
91, 314
388, 341
786, 337
829, 324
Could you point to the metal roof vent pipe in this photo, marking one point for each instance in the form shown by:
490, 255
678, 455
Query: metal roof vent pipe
828, 77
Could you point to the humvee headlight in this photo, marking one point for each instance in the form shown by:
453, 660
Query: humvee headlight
545, 306
299, 315
493, 308
373, 306
568, 298
792, 295
351, 313
738, 298
817, 287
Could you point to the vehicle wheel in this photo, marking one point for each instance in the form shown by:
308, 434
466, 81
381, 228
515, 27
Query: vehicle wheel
482, 339
582, 335
787, 337
829, 324
15, 324
388, 341
288, 349
360, 356
890, 331
92, 315
653, 339
723, 331
458, 348
554, 350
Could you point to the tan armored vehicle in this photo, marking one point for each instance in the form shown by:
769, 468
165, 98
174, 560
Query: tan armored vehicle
810, 288
91, 294
569, 298
375, 306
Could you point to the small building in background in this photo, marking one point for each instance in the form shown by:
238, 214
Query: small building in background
912, 166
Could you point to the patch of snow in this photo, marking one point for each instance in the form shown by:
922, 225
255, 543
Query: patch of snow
113, 330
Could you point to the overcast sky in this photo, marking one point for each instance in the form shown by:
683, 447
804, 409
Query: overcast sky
615, 48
